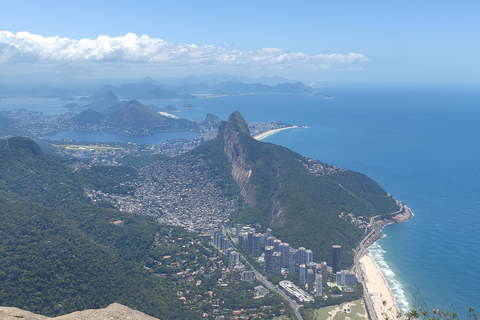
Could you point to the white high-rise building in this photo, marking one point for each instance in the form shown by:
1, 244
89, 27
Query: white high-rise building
319, 286
303, 275
308, 256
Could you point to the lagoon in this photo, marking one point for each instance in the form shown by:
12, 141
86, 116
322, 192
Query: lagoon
89, 136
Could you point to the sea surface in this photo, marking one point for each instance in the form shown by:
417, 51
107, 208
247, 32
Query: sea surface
421, 143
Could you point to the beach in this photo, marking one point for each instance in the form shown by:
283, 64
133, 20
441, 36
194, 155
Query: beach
265, 134
379, 293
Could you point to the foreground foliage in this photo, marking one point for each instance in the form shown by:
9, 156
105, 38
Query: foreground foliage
59, 253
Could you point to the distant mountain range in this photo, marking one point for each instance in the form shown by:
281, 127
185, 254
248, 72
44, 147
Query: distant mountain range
128, 115
55, 86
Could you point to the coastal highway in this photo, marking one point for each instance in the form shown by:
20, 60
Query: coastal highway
295, 306
372, 236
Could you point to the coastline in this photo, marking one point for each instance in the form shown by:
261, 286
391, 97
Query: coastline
378, 296
265, 134
377, 290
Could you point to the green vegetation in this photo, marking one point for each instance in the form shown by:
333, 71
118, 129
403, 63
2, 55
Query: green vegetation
303, 208
59, 253
110, 179
354, 310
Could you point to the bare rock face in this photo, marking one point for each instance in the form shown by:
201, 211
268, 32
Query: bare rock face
115, 311
8, 313
278, 213
241, 169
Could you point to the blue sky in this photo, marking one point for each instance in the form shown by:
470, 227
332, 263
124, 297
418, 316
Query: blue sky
366, 41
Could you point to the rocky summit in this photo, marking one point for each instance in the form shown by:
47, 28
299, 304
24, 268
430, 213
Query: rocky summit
115, 311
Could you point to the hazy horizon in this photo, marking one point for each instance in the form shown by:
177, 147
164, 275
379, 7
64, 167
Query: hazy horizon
310, 41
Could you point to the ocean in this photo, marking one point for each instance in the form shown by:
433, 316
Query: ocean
421, 144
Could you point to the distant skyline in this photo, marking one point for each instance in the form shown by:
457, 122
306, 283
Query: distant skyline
371, 41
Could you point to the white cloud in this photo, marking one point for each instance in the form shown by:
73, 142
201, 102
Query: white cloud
24, 47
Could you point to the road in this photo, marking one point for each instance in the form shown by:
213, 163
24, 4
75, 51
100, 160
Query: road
361, 250
295, 306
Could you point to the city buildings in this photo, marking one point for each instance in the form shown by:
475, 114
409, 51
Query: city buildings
248, 276
235, 257
256, 245
279, 255
291, 260
285, 250
308, 256
310, 279
319, 286
324, 271
295, 292
346, 279
337, 258
276, 264
303, 271
269, 250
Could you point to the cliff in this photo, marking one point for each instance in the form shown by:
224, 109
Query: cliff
241, 169
303, 208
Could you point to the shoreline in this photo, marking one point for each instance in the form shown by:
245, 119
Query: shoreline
265, 134
377, 290
378, 296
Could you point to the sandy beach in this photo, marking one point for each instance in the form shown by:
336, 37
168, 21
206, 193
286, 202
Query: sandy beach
265, 134
378, 290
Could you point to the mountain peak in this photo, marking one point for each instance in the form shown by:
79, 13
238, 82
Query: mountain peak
110, 98
20, 145
237, 122
132, 104
234, 132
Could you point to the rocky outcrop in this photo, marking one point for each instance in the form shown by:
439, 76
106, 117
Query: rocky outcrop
241, 169
277, 211
115, 311
211, 121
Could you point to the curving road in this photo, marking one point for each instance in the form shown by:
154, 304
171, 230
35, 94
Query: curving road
362, 249
295, 306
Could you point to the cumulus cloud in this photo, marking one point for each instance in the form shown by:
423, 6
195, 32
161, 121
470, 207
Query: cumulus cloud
24, 47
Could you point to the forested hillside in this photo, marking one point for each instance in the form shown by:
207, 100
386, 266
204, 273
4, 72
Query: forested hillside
301, 207
59, 253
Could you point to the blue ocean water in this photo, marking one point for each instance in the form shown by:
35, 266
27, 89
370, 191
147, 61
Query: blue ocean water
420, 143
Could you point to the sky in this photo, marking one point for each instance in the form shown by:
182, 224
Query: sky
346, 41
